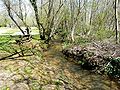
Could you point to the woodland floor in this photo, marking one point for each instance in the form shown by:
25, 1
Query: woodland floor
52, 72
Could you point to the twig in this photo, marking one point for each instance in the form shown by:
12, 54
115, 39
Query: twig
3, 58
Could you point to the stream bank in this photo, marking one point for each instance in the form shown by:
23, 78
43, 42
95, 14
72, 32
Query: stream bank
52, 72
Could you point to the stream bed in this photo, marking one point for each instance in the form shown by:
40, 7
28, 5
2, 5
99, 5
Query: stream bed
53, 72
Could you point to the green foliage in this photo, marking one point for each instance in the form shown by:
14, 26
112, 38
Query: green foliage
5, 88
62, 34
102, 34
4, 39
113, 68
28, 70
105, 34
81, 62
9, 46
66, 44
35, 85
36, 37
5, 44
81, 40
58, 82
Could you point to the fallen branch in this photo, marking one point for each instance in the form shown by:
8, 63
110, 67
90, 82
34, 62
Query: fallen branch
3, 58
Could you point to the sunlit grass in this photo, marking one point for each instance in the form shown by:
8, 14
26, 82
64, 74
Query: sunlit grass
7, 30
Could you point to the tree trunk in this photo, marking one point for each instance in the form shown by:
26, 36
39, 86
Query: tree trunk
34, 5
116, 21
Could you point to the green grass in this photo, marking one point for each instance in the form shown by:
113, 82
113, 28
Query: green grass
7, 44
4, 38
36, 37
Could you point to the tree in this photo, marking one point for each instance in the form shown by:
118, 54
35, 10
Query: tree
116, 21
8, 5
39, 25
17, 11
48, 27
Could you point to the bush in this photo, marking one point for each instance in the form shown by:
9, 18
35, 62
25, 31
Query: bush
113, 68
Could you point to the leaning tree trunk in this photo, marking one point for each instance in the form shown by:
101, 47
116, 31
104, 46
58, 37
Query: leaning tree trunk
40, 25
8, 5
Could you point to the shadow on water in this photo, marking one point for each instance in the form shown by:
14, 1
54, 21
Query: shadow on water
74, 75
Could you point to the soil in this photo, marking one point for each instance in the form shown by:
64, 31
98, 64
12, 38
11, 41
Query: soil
50, 72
